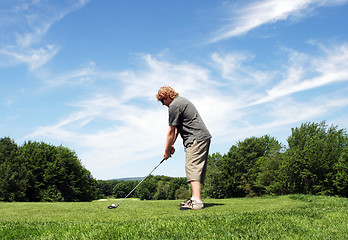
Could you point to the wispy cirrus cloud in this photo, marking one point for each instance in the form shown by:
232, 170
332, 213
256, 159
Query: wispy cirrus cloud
235, 67
258, 13
34, 58
304, 72
23, 24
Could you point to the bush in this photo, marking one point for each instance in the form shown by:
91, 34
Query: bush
42, 172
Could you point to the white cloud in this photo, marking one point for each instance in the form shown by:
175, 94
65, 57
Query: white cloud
305, 72
33, 57
189, 78
86, 74
268, 11
23, 26
235, 67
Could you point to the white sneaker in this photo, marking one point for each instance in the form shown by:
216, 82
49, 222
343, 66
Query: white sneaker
192, 204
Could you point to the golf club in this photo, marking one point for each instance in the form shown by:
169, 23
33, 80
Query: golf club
113, 205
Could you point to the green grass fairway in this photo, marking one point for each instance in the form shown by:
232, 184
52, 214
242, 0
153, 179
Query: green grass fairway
284, 217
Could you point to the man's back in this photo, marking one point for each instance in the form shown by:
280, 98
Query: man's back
184, 115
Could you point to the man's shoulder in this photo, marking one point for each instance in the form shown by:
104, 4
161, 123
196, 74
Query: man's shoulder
178, 104
180, 100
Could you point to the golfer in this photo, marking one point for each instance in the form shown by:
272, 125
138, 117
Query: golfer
185, 120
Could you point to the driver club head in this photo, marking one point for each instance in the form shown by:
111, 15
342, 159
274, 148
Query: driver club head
112, 206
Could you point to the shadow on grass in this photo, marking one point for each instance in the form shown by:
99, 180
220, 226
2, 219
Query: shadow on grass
208, 205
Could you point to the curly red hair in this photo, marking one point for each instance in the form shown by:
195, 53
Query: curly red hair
165, 92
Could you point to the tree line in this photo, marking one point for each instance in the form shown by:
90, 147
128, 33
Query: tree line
154, 187
42, 172
314, 162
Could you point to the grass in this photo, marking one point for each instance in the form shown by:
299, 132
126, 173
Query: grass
283, 217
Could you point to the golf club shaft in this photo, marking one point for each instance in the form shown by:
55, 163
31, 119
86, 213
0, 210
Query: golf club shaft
140, 183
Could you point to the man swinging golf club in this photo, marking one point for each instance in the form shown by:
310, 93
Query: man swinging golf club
185, 120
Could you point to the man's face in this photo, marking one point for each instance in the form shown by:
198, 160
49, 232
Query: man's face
166, 101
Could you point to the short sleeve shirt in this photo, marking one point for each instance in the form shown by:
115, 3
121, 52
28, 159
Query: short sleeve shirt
185, 117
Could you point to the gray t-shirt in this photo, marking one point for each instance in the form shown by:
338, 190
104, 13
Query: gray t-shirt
185, 117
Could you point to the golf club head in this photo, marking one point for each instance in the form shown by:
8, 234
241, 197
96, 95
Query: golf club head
112, 206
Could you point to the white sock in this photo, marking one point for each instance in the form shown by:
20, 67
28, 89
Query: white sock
199, 201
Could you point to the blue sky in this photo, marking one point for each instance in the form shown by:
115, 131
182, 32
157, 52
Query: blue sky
84, 73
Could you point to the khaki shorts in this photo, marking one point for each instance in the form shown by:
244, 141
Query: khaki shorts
196, 160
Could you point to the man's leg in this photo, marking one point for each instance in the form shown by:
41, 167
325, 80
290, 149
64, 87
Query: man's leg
195, 166
196, 190
195, 201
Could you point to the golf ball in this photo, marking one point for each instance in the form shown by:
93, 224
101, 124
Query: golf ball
113, 205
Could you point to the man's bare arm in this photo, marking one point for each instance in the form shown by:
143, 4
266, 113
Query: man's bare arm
171, 138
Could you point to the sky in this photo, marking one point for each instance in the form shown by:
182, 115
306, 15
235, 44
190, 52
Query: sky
84, 74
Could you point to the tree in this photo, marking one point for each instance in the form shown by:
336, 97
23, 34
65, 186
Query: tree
13, 174
340, 181
42, 172
73, 180
8, 149
13, 180
122, 188
316, 159
182, 193
217, 183
174, 185
104, 188
147, 189
270, 177
236, 173
161, 191
245, 164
